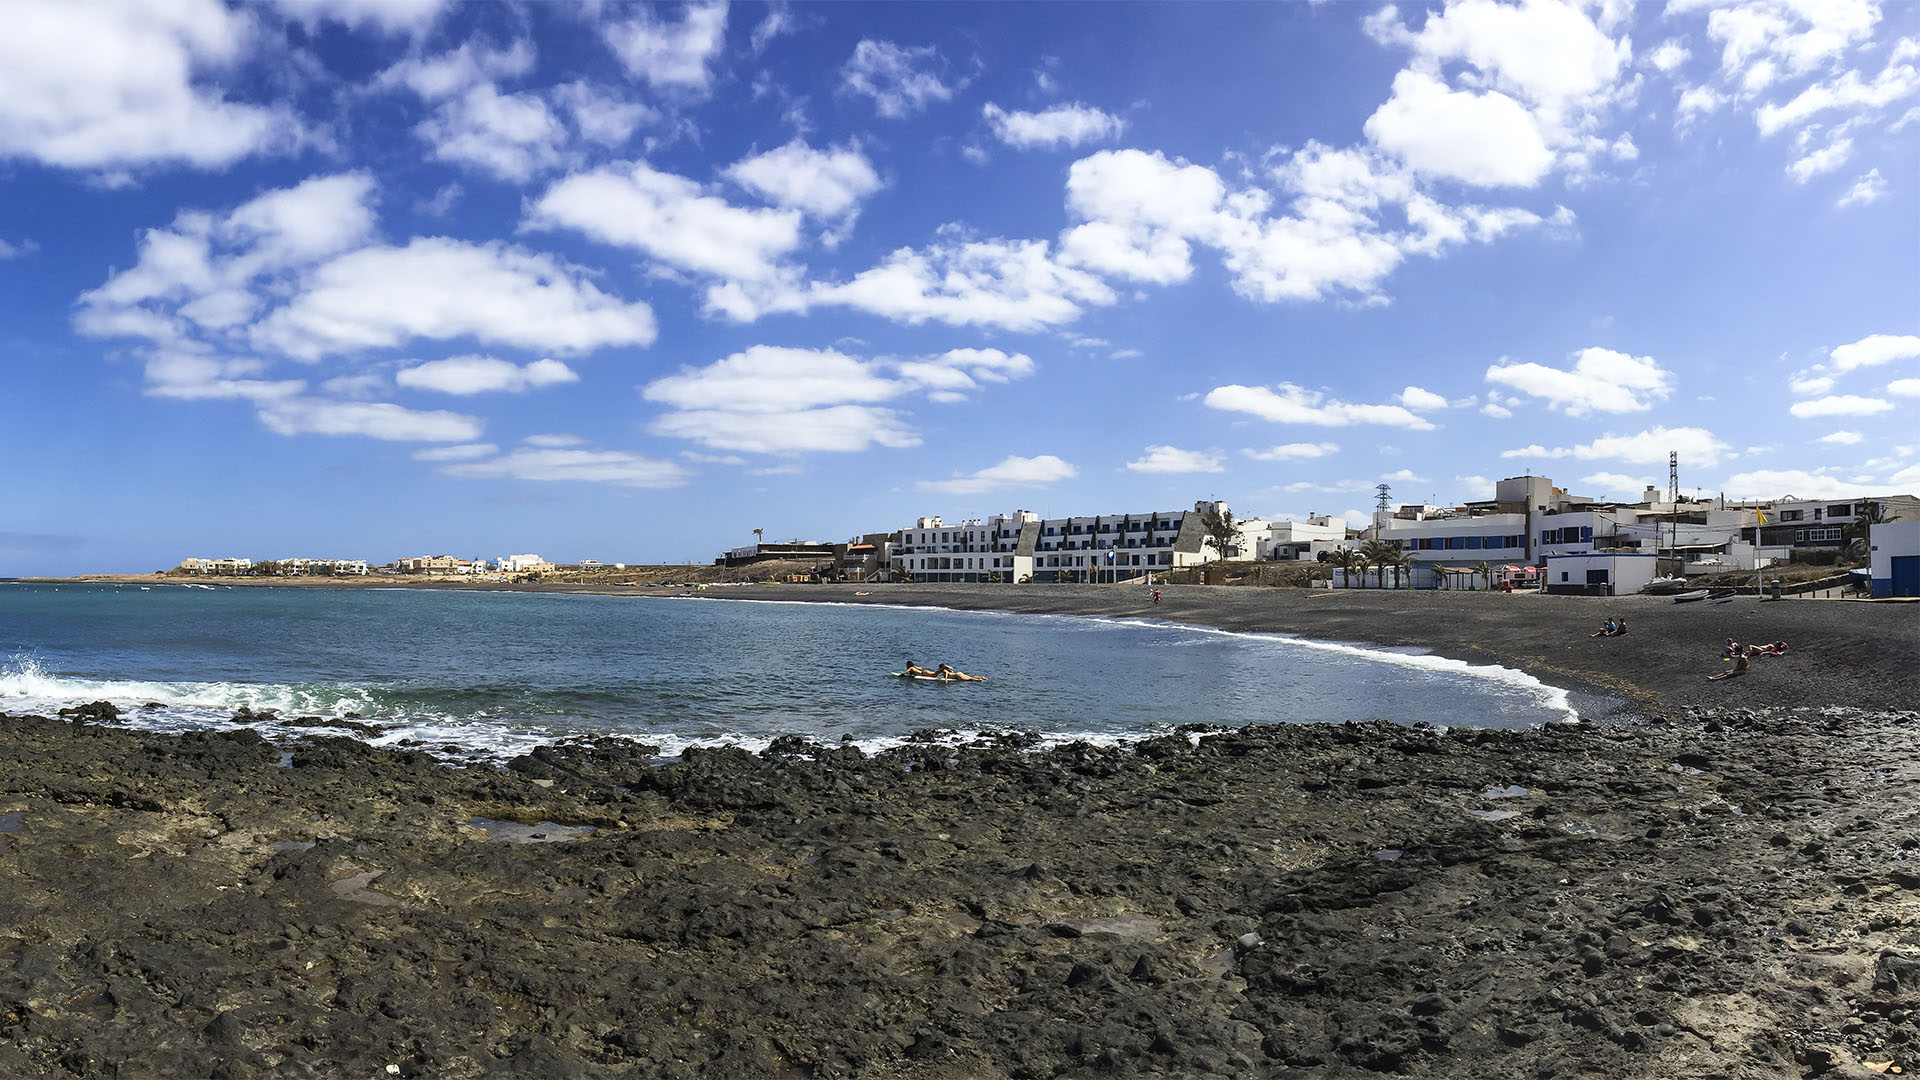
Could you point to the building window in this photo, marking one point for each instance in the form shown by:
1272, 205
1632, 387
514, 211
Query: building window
1841, 510
1473, 543
1790, 515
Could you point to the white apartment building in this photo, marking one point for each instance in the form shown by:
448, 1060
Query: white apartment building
1021, 546
1285, 541
522, 564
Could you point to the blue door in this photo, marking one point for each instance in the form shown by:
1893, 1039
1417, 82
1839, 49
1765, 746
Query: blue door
1906, 575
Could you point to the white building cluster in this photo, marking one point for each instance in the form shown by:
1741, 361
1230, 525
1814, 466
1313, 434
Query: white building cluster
1022, 546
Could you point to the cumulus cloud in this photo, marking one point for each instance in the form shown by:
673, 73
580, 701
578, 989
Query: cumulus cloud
1290, 404
951, 375
484, 374
458, 452
1612, 483
1781, 483
670, 55
1413, 397
1840, 405
1601, 380
1172, 459
671, 219
114, 86
1810, 384
964, 281
17, 250
1841, 438
1904, 387
1824, 160
827, 185
616, 467
899, 81
1865, 191
371, 419
1012, 472
774, 400
1299, 451
1483, 139
1696, 446
1059, 126
388, 16
1874, 350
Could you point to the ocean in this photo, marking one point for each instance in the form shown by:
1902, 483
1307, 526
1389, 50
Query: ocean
487, 675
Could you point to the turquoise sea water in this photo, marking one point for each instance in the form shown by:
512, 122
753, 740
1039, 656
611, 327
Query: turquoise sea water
494, 673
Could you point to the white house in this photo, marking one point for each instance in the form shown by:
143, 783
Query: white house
522, 564
1610, 573
1292, 540
1893, 552
1103, 547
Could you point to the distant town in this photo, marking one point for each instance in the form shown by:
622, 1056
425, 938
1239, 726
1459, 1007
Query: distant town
1531, 534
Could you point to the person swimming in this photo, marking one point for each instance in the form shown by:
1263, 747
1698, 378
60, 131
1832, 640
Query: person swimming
918, 671
947, 671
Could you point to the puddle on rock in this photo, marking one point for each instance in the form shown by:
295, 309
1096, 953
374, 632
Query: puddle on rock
1511, 791
1388, 854
10, 823
355, 887
1120, 925
1494, 815
512, 832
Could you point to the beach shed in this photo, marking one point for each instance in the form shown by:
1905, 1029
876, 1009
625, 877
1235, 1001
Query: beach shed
1894, 558
1611, 573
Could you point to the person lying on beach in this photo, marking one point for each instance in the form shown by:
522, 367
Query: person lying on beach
1772, 648
946, 671
1739, 665
915, 669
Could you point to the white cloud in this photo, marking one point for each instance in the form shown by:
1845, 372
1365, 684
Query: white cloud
1695, 102
109, 86
1405, 476
1011, 472
451, 73
834, 429
1696, 446
770, 400
901, 81
1669, 56
1172, 459
1299, 451
511, 136
389, 16
1778, 483
1906, 476
1061, 125
1475, 485
483, 374
1808, 385
601, 117
1874, 350
1413, 397
1009, 284
1847, 93
1297, 405
673, 56
1483, 139
1824, 160
1496, 410
1904, 387
1840, 405
827, 185
19, 250
949, 376
441, 289
669, 218
553, 441
371, 419
458, 452
1612, 483
1866, 190
1601, 380
615, 467
1841, 438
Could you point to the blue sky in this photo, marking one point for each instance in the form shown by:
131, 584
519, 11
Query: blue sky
370, 278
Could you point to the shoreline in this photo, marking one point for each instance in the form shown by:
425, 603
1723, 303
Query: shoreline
1727, 885
1865, 654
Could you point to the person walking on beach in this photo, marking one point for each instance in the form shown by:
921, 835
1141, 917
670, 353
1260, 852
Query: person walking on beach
1156, 596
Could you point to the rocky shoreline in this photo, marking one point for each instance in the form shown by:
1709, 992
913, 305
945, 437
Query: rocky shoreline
1720, 884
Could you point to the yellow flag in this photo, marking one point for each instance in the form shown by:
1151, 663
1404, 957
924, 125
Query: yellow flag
1759, 517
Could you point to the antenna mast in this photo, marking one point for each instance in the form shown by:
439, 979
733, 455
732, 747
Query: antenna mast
1673, 503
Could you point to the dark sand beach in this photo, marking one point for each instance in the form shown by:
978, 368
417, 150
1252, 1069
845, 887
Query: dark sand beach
1708, 880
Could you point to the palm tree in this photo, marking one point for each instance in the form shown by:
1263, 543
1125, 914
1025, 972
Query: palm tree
1857, 530
1384, 555
1348, 560
1485, 570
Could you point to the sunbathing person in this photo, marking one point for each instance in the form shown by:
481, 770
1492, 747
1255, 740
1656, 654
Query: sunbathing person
1772, 648
1739, 665
946, 671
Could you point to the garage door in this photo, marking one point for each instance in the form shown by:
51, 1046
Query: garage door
1906, 575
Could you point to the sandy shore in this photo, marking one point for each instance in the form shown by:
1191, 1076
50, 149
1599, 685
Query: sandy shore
1719, 881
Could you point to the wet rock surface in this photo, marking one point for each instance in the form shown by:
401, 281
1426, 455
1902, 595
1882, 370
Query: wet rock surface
1698, 892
